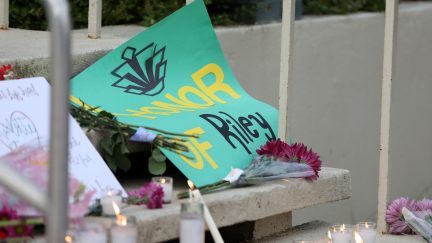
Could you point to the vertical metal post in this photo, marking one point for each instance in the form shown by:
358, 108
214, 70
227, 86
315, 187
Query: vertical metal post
287, 35
4, 14
95, 19
285, 64
390, 34
59, 22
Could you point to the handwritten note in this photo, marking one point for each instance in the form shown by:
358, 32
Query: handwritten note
24, 119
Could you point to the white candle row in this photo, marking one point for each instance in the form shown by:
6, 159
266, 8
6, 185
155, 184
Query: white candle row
364, 232
124, 231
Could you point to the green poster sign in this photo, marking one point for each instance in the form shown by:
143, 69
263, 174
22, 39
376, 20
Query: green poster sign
174, 76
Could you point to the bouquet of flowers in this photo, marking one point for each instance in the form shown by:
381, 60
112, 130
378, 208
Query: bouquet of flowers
408, 216
16, 217
275, 160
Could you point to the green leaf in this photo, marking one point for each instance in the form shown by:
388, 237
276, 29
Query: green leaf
155, 167
124, 149
116, 138
107, 147
111, 163
158, 156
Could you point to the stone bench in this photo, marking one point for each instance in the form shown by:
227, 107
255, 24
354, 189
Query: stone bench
265, 209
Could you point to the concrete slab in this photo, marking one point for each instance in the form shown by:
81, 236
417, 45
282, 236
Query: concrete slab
239, 205
317, 231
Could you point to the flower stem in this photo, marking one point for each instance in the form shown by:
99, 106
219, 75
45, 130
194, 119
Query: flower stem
30, 221
206, 189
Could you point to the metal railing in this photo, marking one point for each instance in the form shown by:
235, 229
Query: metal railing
56, 206
59, 20
94, 17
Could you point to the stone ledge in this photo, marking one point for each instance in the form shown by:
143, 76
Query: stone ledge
239, 205
317, 230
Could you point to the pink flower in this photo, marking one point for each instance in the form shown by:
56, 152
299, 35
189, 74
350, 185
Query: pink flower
394, 216
425, 204
150, 194
273, 148
296, 152
78, 208
7, 213
32, 163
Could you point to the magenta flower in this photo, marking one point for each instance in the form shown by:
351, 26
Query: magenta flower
424, 205
7, 213
273, 148
296, 152
80, 200
150, 194
394, 216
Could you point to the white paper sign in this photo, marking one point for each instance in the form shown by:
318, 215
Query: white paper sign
24, 118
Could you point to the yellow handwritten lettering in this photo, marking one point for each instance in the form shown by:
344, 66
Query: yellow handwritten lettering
198, 163
199, 150
205, 96
202, 147
217, 86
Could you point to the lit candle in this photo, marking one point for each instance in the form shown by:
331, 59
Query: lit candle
192, 223
367, 231
341, 233
68, 238
358, 238
93, 233
196, 195
107, 201
167, 185
124, 230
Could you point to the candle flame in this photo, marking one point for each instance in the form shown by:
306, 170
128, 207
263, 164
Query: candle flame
68, 239
366, 225
357, 238
110, 193
162, 180
191, 185
121, 220
329, 235
342, 228
116, 208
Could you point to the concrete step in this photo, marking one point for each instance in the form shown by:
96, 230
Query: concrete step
317, 231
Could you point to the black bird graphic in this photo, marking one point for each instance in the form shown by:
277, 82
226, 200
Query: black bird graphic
142, 72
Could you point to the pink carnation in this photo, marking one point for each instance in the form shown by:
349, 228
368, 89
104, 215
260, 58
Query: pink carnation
7, 213
296, 152
273, 148
425, 204
394, 216
150, 194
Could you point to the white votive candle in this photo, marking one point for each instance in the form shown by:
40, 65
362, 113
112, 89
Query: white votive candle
167, 185
124, 231
341, 233
107, 201
191, 223
93, 233
367, 231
